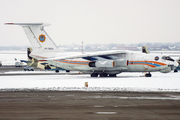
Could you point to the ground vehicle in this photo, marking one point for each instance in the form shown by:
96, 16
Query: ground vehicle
28, 68
18, 64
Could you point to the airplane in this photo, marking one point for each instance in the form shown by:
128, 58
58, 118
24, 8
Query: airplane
40, 63
102, 64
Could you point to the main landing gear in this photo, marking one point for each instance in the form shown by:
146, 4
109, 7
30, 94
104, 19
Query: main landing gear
112, 75
148, 74
94, 75
103, 75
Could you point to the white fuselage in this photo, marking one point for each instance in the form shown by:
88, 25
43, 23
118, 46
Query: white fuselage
132, 62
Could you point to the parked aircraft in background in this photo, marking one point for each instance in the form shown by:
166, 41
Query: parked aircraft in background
40, 63
103, 64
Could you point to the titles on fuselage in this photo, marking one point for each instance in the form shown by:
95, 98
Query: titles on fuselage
48, 48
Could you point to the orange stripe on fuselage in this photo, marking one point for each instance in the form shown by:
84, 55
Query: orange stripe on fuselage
146, 63
160, 63
76, 61
143, 64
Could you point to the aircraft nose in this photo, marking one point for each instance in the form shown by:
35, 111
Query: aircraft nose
176, 64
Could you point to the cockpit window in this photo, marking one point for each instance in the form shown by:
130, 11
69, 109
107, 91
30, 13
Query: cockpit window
167, 58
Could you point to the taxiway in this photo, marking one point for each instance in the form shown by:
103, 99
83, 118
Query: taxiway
58, 105
47, 95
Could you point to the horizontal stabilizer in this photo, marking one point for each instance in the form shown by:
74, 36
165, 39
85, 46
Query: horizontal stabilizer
25, 61
44, 63
29, 24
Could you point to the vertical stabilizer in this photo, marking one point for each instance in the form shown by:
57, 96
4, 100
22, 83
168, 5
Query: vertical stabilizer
32, 61
37, 36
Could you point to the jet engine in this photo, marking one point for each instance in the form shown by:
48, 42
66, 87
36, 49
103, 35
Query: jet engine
109, 63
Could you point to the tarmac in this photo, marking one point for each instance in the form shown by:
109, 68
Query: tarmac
81, 105
58, 105
5, 69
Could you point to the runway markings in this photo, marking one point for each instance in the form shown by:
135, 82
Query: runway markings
139, 98
105, 113
98, 106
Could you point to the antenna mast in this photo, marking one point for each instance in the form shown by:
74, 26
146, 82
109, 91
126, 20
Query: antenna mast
82, 48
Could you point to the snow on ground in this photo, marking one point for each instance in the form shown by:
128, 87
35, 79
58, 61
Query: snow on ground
123, 82
8, 57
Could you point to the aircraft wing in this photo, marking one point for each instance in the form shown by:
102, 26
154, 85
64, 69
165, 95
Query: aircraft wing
102, 54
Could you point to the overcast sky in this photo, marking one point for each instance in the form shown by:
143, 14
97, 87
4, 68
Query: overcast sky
93, 21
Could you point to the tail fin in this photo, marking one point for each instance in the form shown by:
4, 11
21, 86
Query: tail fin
145, 50
37, 36
32, 61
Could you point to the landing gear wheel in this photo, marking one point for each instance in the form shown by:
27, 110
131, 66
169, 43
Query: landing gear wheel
94, 75
175, 71
103, 75
148, 75
112, 75
57, 71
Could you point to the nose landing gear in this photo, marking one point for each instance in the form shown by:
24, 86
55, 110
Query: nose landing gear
148, 74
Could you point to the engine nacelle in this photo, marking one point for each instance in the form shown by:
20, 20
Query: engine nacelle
121, 63
109, 63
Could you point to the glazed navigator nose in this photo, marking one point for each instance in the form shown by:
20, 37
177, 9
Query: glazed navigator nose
173, 65
176, 64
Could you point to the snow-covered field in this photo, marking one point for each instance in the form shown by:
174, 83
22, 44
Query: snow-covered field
123, 82
8, 57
